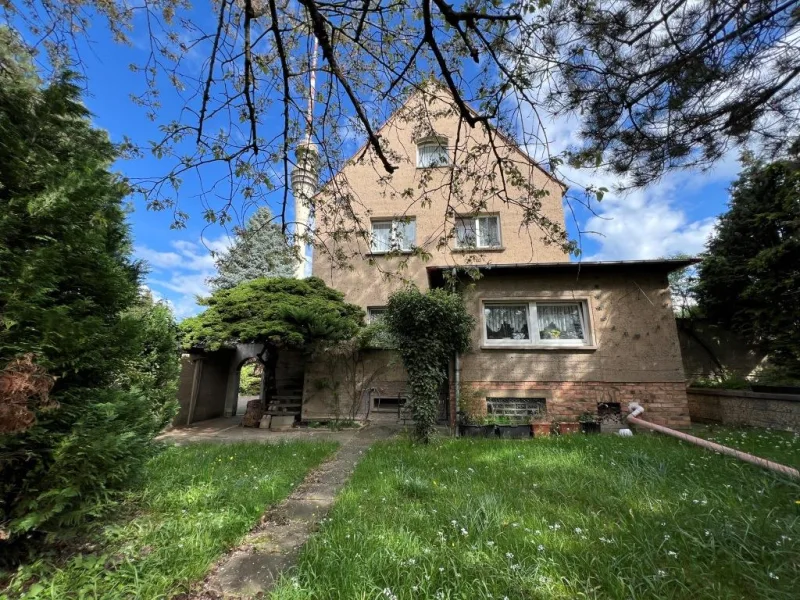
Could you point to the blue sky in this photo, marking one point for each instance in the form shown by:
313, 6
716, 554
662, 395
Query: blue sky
674, 215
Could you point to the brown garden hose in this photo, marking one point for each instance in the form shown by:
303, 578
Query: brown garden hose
636, 409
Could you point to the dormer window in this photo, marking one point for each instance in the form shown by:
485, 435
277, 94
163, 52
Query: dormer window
433, 152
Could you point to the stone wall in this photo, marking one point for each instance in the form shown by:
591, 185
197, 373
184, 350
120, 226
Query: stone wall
664, 402
739, 407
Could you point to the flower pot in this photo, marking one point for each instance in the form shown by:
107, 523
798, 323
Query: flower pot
590, 427
540, 429
476, 430
568, 428
513, 431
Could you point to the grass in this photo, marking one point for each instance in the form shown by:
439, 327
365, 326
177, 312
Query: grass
196, 501
779, 446
573, 517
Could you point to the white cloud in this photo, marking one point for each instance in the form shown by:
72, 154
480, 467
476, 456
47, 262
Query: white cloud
179, 275
643, 223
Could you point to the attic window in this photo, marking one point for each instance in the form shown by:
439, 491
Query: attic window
432, 152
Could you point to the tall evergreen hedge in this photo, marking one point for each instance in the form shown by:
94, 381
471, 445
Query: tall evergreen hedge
70, 297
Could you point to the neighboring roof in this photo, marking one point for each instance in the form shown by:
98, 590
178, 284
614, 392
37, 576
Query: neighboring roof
657, 264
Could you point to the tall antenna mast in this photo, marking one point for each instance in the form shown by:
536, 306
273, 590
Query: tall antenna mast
305, 176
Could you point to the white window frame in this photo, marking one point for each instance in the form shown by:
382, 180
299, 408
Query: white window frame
476, 227
393, 236
535, 341
439, 142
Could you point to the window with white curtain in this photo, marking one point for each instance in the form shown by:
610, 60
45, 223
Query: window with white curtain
478, 232
393, 234
536, 323
433, 152
375, 314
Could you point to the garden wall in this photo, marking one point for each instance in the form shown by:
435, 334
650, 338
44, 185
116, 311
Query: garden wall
739, 407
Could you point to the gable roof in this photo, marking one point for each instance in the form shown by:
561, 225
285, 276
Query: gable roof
506, 140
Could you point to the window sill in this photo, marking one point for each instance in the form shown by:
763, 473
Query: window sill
435, 167
477, 250
537, 347
390, 253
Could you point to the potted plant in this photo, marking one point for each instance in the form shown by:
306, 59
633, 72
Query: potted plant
589, 423
567, 427
506, 427
472, 420
540, 424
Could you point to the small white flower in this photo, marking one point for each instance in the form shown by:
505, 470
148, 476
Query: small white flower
509, 556
662, 573
490, 543
540, 548
441, 569
772, 575
515, 567
578, 530
464, 531
666, 537
672, 554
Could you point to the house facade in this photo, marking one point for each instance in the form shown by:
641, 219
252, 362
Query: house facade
549, 332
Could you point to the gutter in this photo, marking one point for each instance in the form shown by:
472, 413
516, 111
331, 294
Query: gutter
633, 418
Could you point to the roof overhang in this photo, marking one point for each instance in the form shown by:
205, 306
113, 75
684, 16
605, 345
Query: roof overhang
659, 265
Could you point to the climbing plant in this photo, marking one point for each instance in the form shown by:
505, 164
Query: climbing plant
427, 330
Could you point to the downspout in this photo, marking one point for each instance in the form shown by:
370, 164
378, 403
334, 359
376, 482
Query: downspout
457, 378
633, 418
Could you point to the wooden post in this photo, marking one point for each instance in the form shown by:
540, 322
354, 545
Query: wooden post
197, 376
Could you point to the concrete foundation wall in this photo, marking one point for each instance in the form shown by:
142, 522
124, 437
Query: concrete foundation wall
735, 407
211, 390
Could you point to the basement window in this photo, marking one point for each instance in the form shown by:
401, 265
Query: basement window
388, 404
516, 408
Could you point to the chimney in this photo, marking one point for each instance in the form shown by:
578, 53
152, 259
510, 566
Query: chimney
305, 181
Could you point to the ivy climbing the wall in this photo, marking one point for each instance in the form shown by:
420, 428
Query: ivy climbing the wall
427, 330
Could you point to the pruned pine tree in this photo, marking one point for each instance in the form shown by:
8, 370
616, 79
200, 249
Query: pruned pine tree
259, 249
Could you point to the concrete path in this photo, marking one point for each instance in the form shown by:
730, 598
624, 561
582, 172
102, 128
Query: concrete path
273, 546
227, 429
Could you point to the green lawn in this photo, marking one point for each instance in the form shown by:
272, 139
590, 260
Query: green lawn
780, 446
196, 502
580, 517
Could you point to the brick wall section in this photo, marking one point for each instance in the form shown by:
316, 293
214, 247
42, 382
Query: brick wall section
664, 402
734, 407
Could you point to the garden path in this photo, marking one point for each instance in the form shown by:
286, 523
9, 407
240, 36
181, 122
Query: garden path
273, 545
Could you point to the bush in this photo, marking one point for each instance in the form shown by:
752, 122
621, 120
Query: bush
427, 330
250, 379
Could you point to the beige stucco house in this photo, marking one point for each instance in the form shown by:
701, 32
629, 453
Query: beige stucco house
573, 335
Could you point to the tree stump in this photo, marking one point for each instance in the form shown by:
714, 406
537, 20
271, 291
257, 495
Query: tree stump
252, 414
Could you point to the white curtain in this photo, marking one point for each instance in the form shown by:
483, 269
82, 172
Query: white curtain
405, 234
432, 153
489, 236
381, 236
507, 322
466, 236
559, 321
